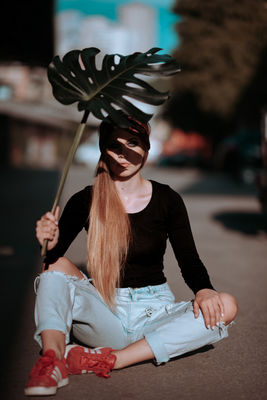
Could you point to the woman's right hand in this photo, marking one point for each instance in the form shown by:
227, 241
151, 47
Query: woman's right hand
47, 228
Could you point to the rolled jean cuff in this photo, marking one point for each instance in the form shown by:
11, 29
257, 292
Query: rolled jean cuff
51, 325
157, 347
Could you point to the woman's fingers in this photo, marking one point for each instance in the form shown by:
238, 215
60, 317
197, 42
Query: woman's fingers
206, 316
218, 315
45, 234
47, 228
214, 315
48, 233
221, 306
216, 311
211, 306
49, 220
51, 217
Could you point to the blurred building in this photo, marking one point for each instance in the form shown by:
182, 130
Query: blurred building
23, 83
135, 30
67, 31
140, 21
36, 131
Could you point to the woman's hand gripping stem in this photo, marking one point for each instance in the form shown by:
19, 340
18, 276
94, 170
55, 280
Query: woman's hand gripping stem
47, 228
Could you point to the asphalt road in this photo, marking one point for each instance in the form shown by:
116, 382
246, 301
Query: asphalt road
230, 234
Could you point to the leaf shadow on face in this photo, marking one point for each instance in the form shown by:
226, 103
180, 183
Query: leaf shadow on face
130, 155
115, 145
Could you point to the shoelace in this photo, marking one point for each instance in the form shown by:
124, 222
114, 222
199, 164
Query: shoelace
44, 366
100, 364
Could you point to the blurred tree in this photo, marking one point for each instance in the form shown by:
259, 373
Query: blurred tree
223, 56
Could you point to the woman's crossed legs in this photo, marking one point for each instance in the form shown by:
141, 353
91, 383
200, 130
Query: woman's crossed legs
105, 321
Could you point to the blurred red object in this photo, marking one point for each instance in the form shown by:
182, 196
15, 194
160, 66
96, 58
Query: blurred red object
187, 143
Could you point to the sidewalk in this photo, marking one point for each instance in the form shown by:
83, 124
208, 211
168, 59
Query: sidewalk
230, 235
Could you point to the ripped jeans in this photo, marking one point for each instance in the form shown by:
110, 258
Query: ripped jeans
65, 302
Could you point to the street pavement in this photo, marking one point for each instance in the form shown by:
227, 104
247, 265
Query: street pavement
230, 233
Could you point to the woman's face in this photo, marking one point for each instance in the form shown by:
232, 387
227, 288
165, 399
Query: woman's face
126, 154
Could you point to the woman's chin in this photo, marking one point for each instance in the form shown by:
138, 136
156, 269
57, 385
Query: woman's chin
125, 174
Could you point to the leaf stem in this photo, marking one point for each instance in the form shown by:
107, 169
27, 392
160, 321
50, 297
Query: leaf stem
71, 154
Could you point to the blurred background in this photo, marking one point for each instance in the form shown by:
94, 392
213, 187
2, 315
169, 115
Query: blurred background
216, 116
209, 141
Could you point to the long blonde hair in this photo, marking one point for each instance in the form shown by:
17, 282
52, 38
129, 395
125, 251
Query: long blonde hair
109, 229
108, 235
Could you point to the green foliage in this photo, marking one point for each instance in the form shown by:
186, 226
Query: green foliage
222, 54
75, 78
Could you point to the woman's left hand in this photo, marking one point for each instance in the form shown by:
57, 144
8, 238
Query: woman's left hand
211, 306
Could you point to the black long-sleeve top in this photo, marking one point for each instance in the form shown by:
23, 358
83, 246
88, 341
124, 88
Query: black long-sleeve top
164, 217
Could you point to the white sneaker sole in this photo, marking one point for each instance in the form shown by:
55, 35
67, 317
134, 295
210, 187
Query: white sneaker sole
45, 391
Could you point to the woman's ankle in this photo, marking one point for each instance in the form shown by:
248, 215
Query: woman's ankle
118, 364
54, 340
59, 353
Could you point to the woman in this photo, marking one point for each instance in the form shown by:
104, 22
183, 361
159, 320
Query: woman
126, 307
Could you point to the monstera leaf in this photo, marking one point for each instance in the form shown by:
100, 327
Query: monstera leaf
102, 92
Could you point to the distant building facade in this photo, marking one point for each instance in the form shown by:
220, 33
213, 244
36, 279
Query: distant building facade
135, 30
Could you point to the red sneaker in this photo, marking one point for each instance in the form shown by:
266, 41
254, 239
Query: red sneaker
82, 360
47, 375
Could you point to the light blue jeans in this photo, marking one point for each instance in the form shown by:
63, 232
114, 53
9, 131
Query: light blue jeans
65, 302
